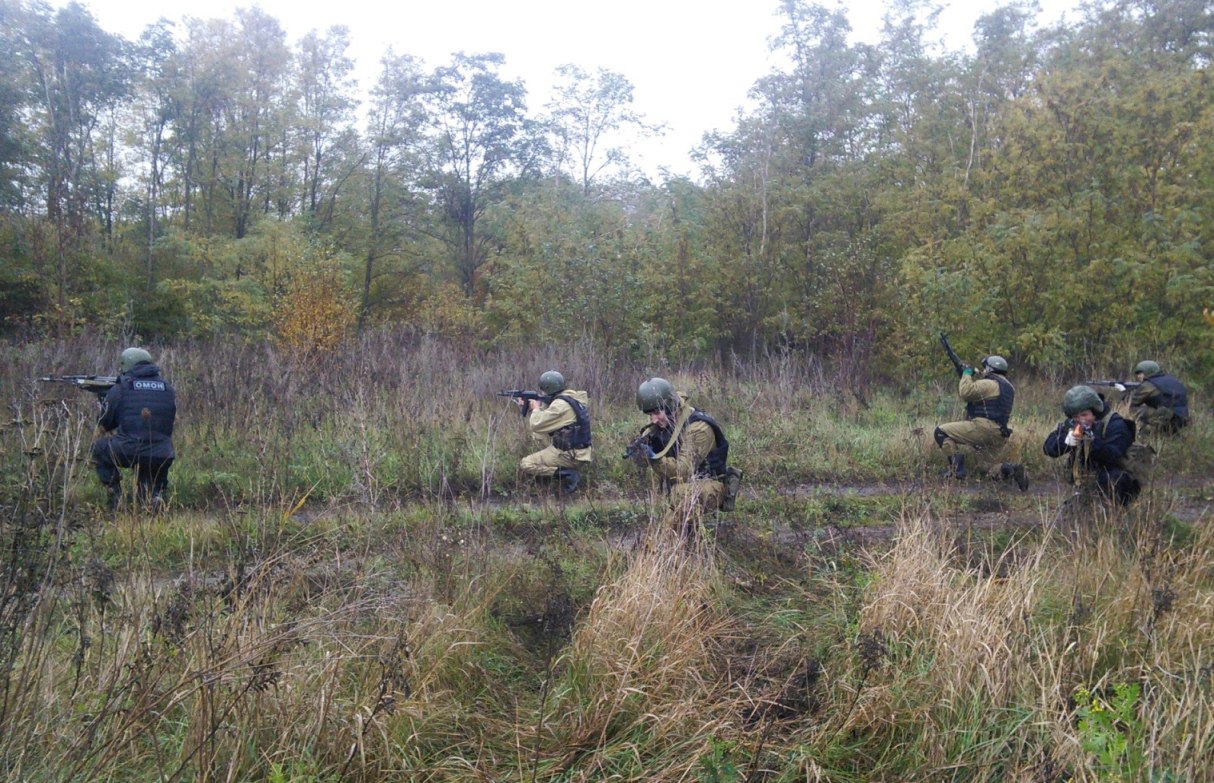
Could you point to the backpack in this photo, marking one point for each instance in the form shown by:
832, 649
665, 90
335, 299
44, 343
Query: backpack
1139, 459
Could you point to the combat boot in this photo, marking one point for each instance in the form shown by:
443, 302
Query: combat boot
569, 480
1016, 473
113, 498
956, 467
733, 479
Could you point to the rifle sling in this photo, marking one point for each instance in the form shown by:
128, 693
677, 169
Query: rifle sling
678, 429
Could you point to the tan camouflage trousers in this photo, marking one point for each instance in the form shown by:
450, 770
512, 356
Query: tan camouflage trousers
978, 440
547, 461
690, 503
1155, 420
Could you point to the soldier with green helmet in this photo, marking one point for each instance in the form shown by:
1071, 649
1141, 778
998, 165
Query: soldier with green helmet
1096, 442
688, 450
1159, 403
984, 432
139, 412
564, 422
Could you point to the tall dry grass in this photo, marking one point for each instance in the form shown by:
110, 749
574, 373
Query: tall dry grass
395, 417
642, 678
403, 630
987, 660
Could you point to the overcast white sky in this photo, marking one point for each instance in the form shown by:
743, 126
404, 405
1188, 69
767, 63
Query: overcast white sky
691, 62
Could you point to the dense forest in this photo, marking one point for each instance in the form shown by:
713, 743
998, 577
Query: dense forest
1045, 193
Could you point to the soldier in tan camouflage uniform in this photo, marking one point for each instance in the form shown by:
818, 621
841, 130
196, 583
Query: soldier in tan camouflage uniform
565, 423
984, 432
688, 450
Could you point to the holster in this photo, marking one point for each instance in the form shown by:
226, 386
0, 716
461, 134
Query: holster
732, 480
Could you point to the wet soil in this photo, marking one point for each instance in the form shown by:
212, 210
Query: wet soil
532, 518
1001, 507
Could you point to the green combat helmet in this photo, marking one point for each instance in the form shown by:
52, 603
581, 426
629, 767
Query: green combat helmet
1081, 398
655, 394
132, 357
996, 363
1147, 368
552, 382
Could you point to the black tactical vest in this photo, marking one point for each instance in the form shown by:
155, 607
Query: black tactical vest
1172, 395
998, 410
144, 410
713, 465
575, 435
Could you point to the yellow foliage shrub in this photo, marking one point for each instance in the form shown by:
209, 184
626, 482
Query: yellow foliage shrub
450, 313
314, 313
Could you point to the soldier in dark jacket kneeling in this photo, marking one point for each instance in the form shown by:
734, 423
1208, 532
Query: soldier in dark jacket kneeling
1096, 442
139, 412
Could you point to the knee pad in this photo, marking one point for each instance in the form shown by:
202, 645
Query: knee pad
940, 436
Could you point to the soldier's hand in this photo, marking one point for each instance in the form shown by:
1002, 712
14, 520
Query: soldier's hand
967, 370
1078, 434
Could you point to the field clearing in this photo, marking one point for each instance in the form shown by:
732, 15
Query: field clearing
350, 584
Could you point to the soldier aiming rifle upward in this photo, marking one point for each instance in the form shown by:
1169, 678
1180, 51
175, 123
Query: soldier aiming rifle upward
984, 433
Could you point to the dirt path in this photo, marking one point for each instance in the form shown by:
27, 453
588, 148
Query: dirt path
1003, 508
1188, 500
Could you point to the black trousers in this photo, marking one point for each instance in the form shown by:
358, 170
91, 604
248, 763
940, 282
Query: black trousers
151, 473
1117, 484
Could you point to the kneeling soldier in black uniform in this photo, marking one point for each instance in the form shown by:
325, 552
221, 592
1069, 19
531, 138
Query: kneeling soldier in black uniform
1096, 442
139, 411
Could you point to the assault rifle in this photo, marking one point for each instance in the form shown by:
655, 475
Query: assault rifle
1120, 386
525, 396
634, 452
952, 355
93, 384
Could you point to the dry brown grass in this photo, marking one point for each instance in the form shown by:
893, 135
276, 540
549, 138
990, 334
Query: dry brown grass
368, 640
643, 670
974, 652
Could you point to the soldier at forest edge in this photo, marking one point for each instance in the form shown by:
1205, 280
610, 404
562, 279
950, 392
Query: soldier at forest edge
984, 432
1159, 403
140, 411
688, 450
1095, 440
565, 422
